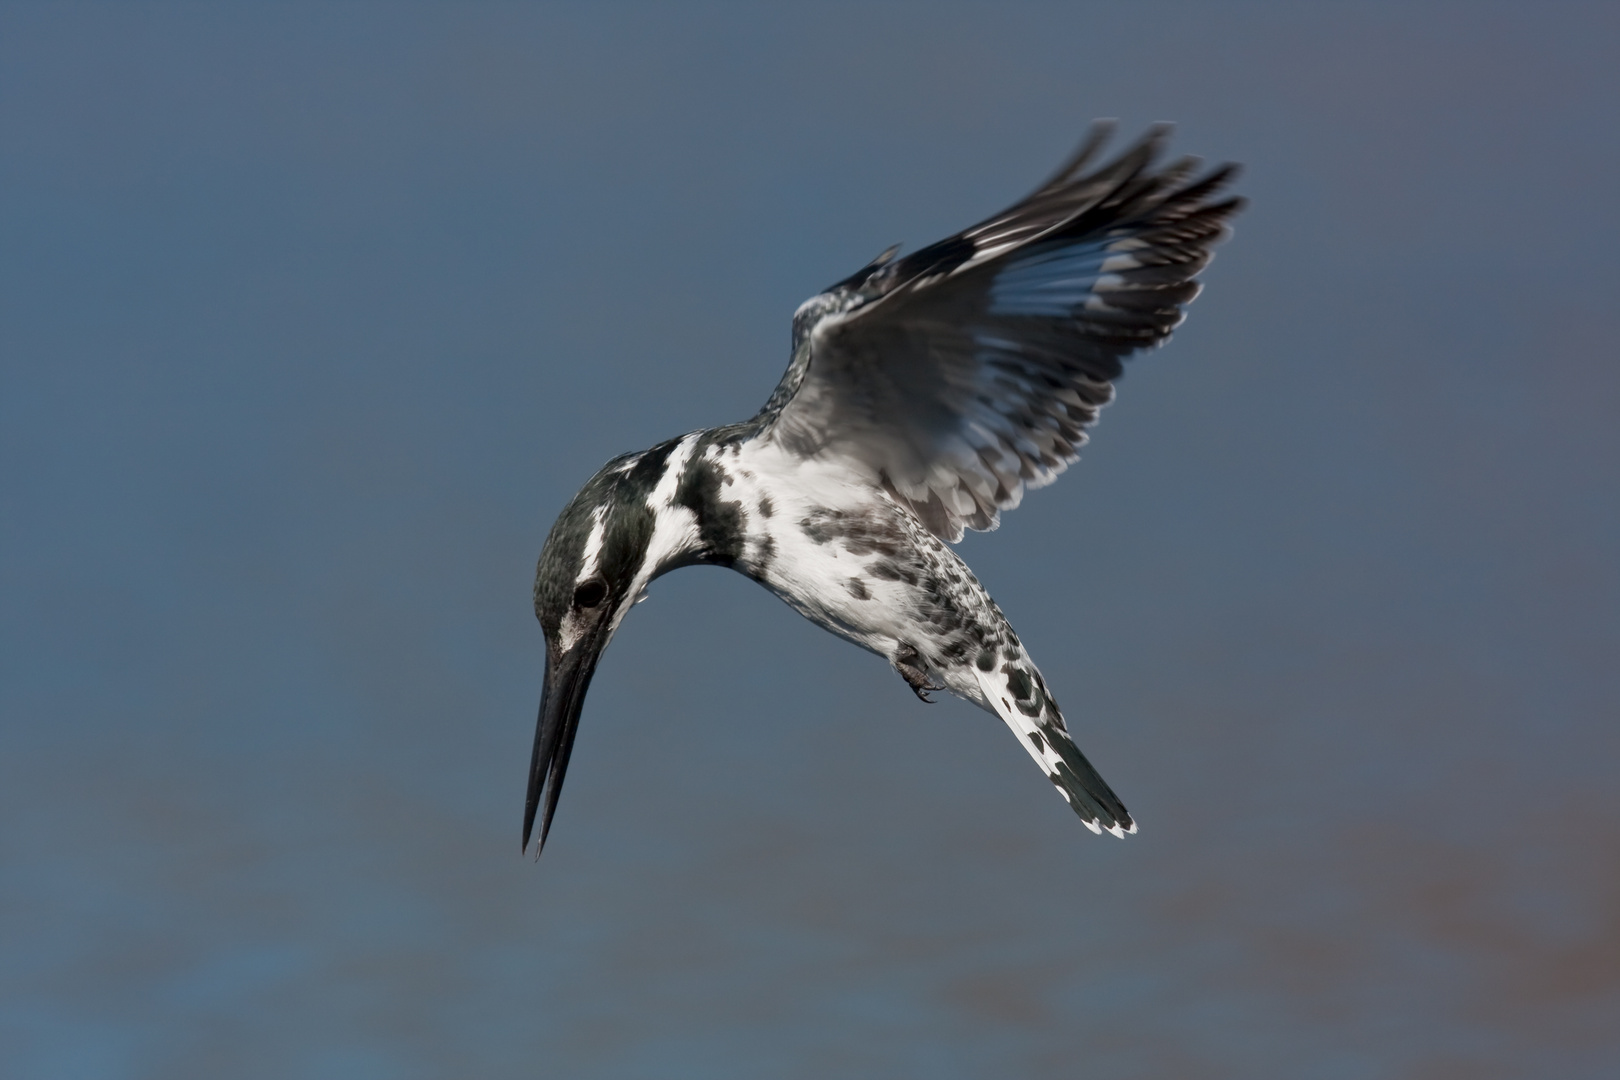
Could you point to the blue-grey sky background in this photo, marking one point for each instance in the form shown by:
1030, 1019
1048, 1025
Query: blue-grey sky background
313, 317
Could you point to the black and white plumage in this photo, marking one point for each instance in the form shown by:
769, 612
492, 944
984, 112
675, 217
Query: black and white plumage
924, 395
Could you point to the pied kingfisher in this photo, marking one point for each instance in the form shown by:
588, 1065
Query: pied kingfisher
924, 395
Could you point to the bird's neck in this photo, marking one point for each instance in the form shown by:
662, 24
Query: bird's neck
703, 501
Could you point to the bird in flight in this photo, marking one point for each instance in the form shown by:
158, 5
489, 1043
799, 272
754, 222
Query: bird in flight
925, 394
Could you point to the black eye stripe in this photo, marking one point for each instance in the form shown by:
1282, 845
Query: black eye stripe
590, 593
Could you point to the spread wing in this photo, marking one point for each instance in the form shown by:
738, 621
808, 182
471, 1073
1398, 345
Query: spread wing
966, 372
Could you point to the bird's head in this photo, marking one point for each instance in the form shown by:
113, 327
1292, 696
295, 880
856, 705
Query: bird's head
591, 572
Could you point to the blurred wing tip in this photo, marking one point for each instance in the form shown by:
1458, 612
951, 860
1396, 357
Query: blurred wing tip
1097, 136
1153, 140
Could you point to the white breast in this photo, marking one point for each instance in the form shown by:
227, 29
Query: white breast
837, 581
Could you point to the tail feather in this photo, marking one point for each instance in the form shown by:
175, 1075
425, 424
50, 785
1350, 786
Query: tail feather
1019, 697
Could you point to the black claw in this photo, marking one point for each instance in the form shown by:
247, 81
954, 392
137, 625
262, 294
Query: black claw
908, 662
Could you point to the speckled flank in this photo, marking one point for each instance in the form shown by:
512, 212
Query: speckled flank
872, 530
930, 617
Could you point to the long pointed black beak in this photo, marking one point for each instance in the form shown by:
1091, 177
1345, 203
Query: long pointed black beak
568, 676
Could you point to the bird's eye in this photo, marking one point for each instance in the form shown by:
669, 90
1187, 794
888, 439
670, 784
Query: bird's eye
590, 593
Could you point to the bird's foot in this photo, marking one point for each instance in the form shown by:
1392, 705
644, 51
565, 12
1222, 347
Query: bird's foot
907, 663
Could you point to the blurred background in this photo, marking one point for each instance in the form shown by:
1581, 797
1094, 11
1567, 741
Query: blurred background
312, 318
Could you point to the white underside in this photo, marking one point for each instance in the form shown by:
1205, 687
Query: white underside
814, 577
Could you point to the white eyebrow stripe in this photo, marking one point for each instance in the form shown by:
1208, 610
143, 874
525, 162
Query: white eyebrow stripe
593, 543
